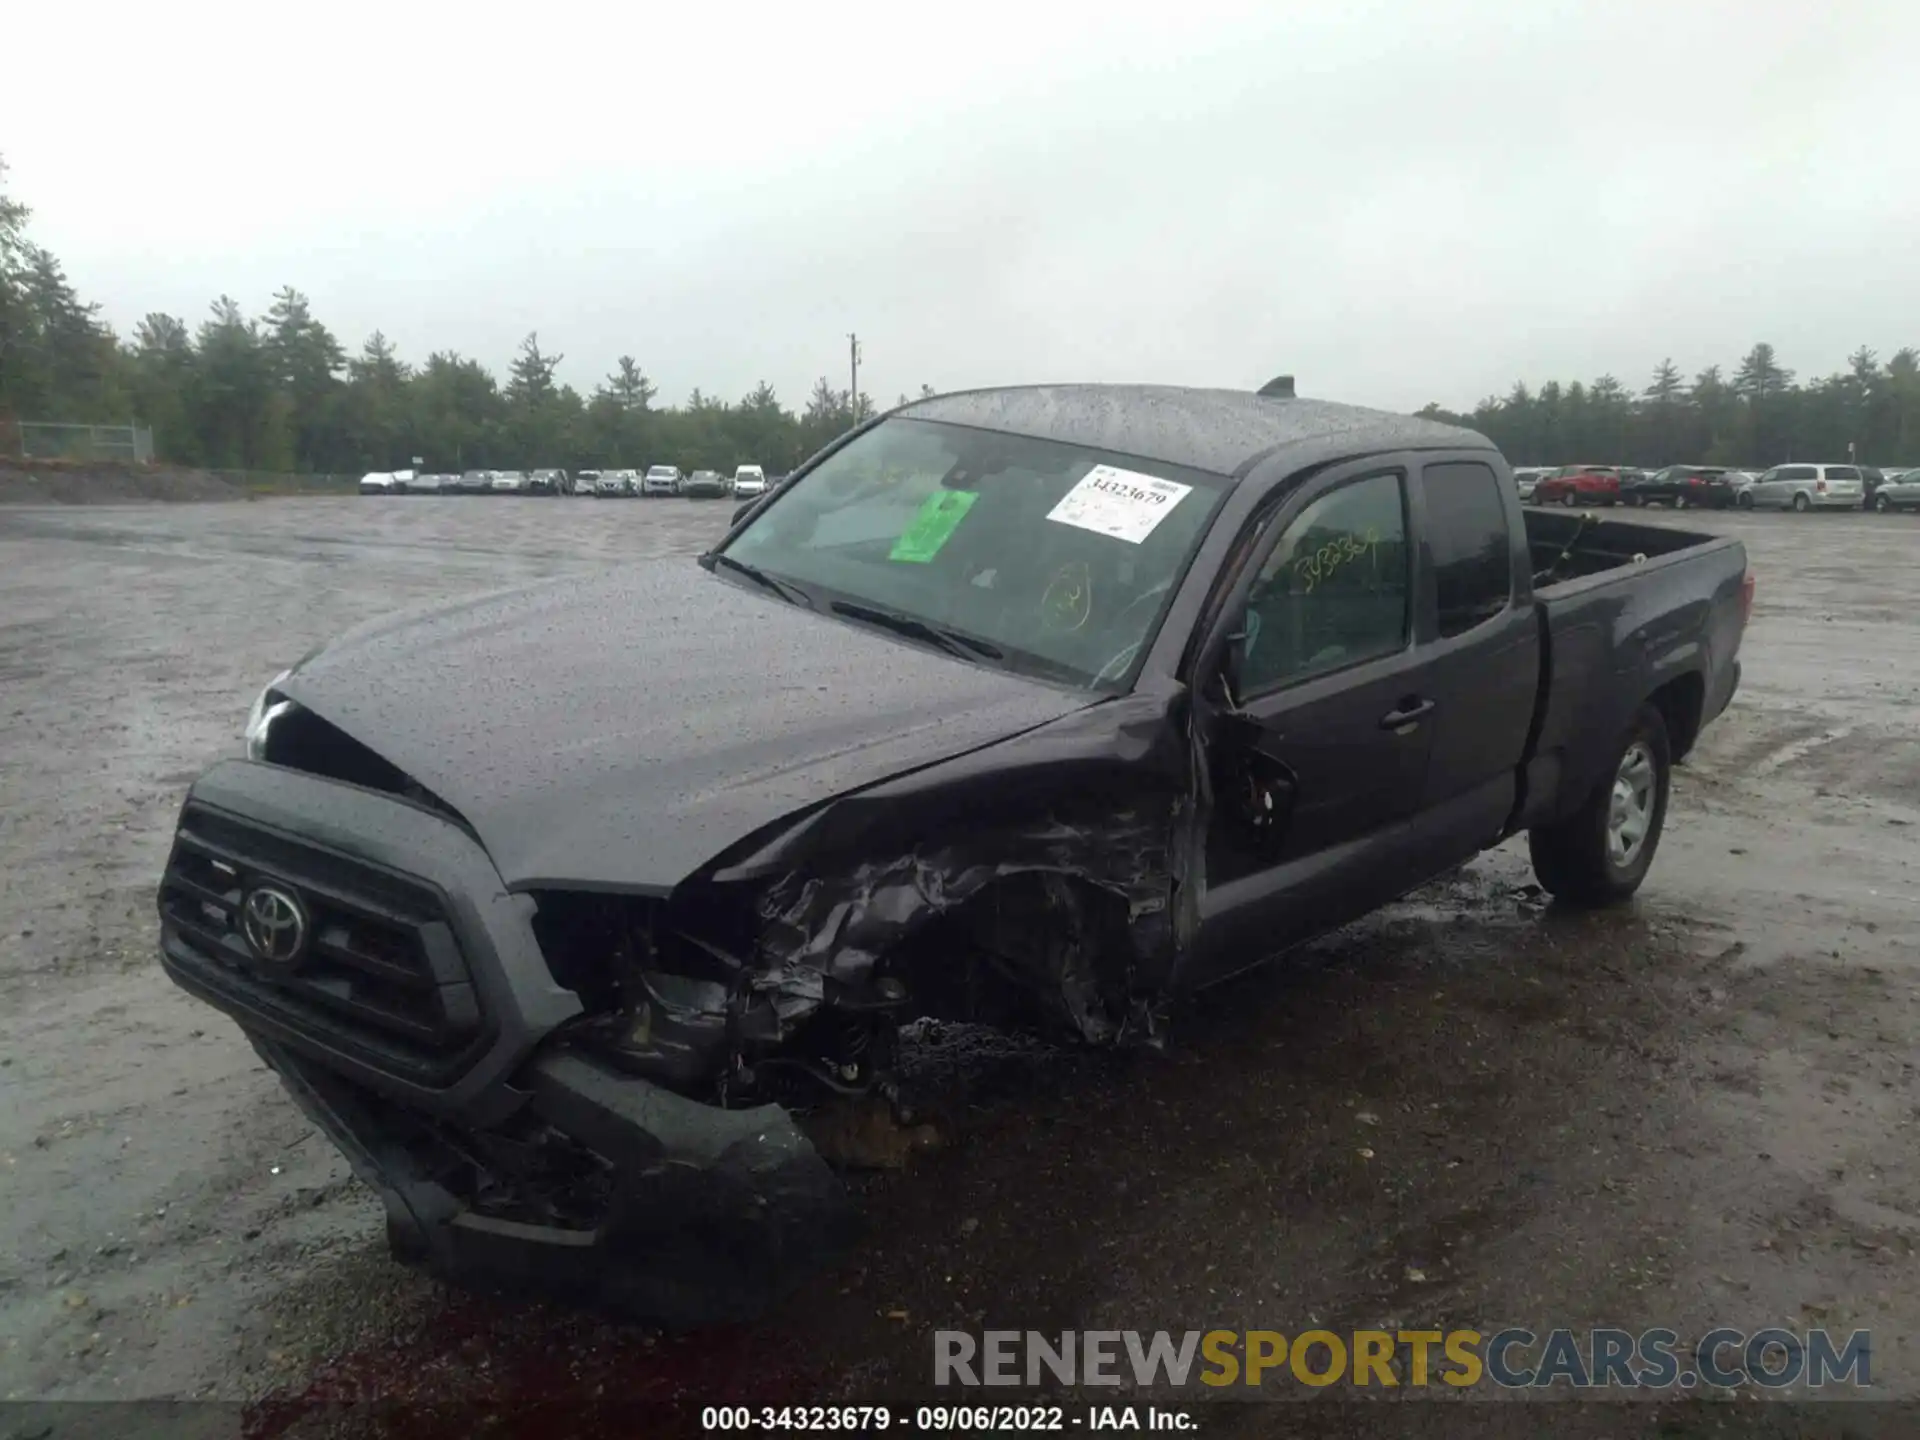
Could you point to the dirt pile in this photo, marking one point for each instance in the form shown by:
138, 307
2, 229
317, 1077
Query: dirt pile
106, 482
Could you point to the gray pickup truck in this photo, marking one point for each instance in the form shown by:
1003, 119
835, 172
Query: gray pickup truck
1029, 707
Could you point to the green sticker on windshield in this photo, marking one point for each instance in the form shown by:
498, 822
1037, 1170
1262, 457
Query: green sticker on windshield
941, 513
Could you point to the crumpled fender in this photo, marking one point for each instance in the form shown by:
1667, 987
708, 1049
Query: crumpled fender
1099, 804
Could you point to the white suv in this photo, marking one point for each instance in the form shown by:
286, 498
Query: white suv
509, 482
749, 482
1806, 487
661, 480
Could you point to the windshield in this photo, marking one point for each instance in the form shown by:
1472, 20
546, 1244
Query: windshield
1062, 558
660, 472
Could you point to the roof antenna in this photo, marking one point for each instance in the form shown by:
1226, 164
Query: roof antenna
1278, 388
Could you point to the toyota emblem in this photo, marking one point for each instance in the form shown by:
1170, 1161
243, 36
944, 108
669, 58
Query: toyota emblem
274, 923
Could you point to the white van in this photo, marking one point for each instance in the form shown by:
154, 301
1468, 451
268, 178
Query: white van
1806, 487
749, 481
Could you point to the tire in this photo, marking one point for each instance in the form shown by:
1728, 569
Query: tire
1680, 502
1801, 504
1883, 504
1570, 499
1580, 860
1743, 501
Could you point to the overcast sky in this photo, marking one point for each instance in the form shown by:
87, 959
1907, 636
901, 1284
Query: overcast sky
1398, 202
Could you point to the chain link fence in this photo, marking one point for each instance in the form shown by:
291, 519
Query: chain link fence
53, 440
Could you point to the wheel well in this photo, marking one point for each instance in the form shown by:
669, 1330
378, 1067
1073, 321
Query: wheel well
1032, 948
1679, 702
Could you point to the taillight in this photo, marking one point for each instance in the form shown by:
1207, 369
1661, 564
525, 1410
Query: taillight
1746, 597
1820, 487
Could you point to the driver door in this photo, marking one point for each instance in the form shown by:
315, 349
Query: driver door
1317, 764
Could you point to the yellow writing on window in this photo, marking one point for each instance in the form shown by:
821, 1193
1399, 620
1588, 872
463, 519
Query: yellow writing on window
1322, 563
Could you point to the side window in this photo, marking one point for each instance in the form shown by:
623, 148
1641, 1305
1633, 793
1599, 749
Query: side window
1334, 590
1467, 538
1799, 472
1842, 472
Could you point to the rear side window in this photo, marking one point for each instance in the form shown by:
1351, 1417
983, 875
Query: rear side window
1468, 541
1842, 472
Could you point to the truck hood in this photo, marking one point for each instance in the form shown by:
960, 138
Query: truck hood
617, 731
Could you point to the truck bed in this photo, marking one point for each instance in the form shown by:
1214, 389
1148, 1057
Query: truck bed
1626, 611
1598, 546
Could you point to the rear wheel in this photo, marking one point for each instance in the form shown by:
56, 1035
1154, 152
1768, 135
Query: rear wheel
1569, 499
1801, 504
1743, 501
1601, 853
1882, 504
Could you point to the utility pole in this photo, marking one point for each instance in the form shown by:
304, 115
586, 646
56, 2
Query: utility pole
853, 395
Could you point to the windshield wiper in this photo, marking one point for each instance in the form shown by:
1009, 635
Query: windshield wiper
792, 594
914, 628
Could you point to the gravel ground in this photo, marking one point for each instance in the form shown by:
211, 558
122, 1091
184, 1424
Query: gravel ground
1469, 1109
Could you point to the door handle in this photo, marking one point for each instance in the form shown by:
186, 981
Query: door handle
1411, 710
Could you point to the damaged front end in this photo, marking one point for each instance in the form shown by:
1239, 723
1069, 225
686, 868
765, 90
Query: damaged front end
744, 988
631, 1100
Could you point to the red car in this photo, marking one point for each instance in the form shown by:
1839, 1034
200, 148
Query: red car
1580, 485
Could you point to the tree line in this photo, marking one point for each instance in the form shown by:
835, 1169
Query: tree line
278, 392
1756, 417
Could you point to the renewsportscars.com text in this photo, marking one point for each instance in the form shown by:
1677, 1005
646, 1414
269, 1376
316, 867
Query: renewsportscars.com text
1514, 1358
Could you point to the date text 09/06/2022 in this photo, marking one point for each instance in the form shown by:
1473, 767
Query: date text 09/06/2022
935, 1419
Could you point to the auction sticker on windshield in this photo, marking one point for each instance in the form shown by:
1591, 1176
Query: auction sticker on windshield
1121, 503
932, 526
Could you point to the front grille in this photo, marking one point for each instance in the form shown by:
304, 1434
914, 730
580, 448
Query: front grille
381, 975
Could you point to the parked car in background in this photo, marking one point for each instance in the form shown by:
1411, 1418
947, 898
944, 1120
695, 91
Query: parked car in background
1872, 478
1740, 486
662, 480
509, 482
475, 482
1808, 487
585, 482
1680, 486
1579, 485
1528, 476
706, 485
427, 484
380, 482
1900, 490
611, 485
749, 482
549, 482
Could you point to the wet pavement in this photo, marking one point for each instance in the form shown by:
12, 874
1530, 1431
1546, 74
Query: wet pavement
1468, 1110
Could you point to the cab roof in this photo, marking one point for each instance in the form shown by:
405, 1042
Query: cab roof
1221, 431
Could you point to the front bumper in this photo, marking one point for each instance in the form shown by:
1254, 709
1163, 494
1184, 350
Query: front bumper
699, 1215
506, 1159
